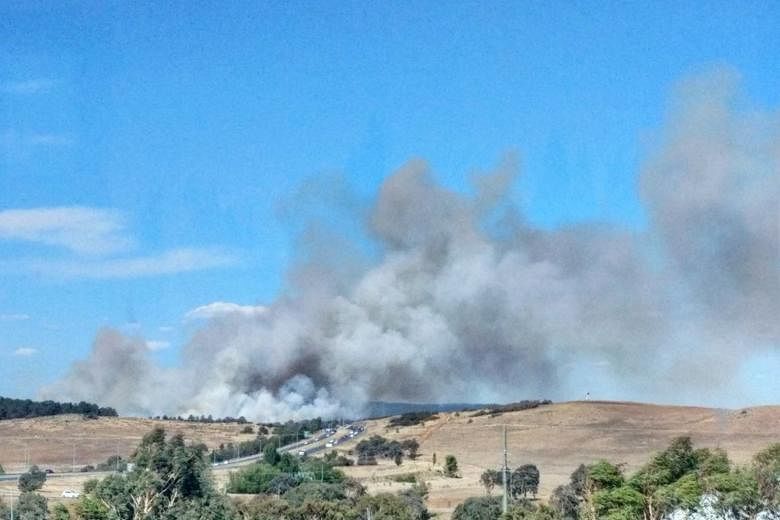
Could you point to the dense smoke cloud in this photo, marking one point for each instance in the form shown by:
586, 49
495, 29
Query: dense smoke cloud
468, 302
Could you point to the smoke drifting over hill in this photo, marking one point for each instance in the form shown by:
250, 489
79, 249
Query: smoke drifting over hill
469, 302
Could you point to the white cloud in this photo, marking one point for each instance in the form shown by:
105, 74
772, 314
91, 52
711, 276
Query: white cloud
14, 317
82, 230
222, 309
157, 344
18, 146
99, 242
50, 139
25, 352
24, 87
173, 261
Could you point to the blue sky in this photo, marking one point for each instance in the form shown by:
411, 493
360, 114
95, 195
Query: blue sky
175, 133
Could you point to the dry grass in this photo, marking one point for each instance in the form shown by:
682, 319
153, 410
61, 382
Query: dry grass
557, 438
51, 441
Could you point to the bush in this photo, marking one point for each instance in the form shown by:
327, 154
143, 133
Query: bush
60, 512
451, 466
253, 479
32, 480
408, 478
478, 508
31, 506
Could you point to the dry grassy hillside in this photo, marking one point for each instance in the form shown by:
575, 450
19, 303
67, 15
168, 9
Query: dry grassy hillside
52, 441
557, 438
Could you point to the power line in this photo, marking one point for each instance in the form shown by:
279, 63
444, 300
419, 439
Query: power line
505, 479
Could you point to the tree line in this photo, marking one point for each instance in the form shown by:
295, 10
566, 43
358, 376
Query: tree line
26, 408
207, 419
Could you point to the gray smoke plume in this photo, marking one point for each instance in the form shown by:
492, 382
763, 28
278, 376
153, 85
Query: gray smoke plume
469, 302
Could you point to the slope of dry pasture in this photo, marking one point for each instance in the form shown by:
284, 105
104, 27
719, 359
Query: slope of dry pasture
559, 437
52, 442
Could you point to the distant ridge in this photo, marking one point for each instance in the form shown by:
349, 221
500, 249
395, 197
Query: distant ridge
377, 409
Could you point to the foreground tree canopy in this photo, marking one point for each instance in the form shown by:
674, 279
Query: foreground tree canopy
171, 479
680, 480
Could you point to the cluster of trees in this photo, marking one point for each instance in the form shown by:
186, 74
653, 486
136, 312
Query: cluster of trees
24, 408
369, 449
334, 458
522, 482
278, 473
337, 501
298, 429
32, 506
680, 480
303, 489
32, 480
170, 480
412, 419
112, 463
490, 508
201, 419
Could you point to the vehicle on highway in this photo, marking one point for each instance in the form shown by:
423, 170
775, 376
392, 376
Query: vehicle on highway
69, 493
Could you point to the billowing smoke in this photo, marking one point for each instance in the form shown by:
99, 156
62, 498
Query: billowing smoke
465, 301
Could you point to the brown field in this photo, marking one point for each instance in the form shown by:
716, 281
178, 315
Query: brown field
557, 438
52, 442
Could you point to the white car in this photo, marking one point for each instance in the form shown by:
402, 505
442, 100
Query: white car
69, 493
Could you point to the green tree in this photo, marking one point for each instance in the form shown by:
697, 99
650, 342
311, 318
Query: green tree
524, 481
270, 455
33, 480
60, 512
91, 508
410, 446
597, 477
766, 469
385, 506
478, 508
31, 506
451, 466
737, 493
618, 503
252, 479
170, 480
489, 479
566, 502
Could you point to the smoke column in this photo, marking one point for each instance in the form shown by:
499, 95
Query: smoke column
468, 302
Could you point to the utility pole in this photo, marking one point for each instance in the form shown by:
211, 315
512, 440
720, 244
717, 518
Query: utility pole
505, 478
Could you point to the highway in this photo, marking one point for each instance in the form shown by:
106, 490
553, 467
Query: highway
313, 445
